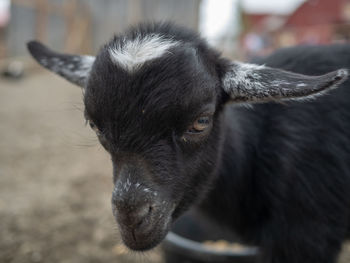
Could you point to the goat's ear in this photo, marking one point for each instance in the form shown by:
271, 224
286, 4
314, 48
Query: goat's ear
253, 83
73, 68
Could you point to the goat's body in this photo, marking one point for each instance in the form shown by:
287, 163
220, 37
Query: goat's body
158, 98
284, 182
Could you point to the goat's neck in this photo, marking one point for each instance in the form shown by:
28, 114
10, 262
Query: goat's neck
234, 200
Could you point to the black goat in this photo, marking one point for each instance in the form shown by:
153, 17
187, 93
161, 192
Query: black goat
169, 111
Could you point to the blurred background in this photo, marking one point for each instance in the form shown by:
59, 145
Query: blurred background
55, 179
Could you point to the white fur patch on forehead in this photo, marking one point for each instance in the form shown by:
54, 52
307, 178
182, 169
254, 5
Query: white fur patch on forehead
132, 54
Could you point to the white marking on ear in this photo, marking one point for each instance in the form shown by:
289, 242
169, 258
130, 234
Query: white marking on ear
132, 54
85, 66
277, 83
254, 83
242, 79
74, 68
44, 62
301, 85
76, 72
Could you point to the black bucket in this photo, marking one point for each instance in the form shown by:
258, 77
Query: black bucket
184, 244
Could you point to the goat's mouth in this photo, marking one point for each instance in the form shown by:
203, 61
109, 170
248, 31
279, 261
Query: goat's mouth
137, 239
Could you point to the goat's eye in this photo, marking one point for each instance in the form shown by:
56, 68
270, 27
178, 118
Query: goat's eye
94, 127
200, 124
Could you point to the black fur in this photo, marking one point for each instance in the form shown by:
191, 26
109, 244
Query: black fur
285, 174
277, 174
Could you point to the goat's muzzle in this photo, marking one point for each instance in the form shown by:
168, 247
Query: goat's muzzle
143, 217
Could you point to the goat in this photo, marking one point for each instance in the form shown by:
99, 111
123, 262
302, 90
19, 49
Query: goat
172, 114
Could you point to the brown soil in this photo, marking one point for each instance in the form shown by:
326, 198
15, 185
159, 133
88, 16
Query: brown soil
55, 179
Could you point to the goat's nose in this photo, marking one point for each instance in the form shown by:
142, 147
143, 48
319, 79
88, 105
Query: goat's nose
141, 213
135, 217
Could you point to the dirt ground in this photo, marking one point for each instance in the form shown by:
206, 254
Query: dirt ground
55, 180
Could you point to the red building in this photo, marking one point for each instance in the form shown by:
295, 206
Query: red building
320, 21
313, 22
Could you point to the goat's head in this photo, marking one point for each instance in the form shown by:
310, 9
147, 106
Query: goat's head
154, 96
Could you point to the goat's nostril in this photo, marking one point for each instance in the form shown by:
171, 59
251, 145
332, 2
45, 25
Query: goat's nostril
135, 216
144, 211
141, 214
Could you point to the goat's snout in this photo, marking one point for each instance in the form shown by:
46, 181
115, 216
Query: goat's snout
133, 207
141, 207
142, 212
135, 217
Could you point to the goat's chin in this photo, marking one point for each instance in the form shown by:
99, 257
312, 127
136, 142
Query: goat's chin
144, 243
146, 238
